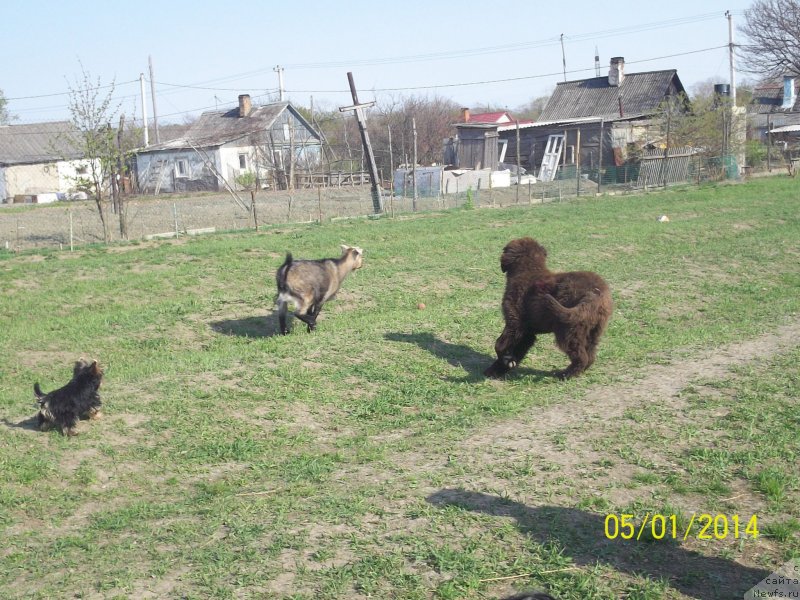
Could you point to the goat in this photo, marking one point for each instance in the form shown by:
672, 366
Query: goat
311, 283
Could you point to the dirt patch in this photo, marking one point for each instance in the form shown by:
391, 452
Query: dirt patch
660, 383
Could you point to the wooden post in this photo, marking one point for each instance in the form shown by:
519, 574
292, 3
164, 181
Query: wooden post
253, 204
175, 215
123, 221
600, 161
319, 203
377, 203
578, 162
71, 246
519, 176
391, 173
769, 145
414, 166
666, 148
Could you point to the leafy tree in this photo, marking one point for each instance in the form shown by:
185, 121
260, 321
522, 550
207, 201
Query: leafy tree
709, 125
91, 115
772, 28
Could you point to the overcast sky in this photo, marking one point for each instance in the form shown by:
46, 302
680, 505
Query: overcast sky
477, 53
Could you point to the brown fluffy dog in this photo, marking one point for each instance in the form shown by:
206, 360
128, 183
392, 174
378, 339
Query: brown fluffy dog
575, 306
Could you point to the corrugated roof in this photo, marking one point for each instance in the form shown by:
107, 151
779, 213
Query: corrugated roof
641, 94
37, 143
215, 128
490, 117
769, 99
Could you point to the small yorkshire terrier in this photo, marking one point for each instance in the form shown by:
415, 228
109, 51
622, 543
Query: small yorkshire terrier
79, 399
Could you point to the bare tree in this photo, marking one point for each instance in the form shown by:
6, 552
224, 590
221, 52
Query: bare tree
5, 117
531, 109
772, 28
91, 114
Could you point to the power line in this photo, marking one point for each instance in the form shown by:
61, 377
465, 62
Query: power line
397, 89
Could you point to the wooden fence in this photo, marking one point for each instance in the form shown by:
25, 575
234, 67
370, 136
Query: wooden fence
662, 167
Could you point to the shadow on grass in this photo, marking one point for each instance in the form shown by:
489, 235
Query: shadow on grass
463, 357
251, 327
30, 424
581, 534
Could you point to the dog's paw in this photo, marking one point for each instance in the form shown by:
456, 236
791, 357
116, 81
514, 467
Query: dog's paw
509, 361
496, 370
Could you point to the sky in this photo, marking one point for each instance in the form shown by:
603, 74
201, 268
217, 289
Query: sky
478, 54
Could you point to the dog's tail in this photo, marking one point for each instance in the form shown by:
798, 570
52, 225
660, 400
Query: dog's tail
577, 313
38, 391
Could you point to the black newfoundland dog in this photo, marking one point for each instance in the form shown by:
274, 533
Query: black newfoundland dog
575, 306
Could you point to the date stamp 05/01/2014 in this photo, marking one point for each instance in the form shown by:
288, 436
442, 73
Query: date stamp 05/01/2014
703, 526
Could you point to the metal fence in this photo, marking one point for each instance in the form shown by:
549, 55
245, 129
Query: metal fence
68, 225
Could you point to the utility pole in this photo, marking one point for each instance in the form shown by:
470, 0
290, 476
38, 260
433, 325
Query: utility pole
563, 57
144, 111
153, 93
731, 48
361, 119
279, 70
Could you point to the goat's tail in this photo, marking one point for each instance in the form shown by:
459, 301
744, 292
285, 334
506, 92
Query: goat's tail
282, 298
38, 391
283, 270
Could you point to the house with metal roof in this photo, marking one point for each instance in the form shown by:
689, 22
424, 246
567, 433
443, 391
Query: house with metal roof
39, 160
260, 145
617, 109
775, 109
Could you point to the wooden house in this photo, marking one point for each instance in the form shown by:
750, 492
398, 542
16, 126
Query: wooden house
774, 109
598, 117
265, 146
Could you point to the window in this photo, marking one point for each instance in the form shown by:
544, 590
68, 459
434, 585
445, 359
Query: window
286, 133
243, 161
181, 168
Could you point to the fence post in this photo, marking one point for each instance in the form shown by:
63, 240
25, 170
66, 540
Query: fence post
175, 216
71, 246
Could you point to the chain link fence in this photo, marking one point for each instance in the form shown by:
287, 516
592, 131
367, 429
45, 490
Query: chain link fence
67, 225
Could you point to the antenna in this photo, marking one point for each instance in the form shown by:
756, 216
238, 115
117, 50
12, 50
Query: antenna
596, 62
563, 57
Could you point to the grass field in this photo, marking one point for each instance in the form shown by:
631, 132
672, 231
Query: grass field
371, 459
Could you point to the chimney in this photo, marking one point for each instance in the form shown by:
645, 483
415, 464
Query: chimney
245, 106
616, 74
465, 115
789, 93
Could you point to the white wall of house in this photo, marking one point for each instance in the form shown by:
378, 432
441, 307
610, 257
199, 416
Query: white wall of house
40, 178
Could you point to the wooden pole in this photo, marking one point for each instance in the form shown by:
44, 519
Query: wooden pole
578, 162
377, 203
600, 161
518, 165
414, 166
253, 204
319, 203
71, 245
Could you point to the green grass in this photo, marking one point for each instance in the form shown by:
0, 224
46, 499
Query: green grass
371, 458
